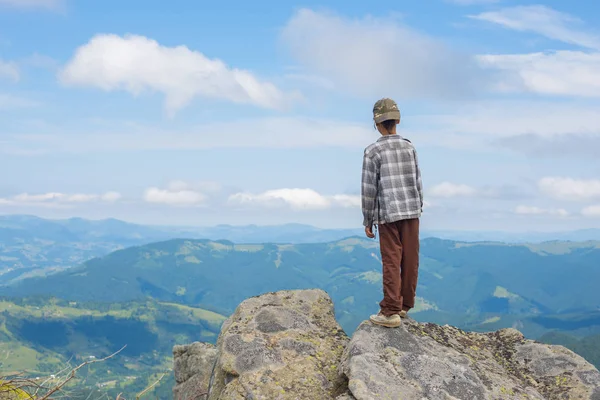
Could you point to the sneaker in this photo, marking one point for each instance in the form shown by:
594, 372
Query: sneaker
403, 314
392, 321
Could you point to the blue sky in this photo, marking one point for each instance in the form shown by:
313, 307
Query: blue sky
200, 113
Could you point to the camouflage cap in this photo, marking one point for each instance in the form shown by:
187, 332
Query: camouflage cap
384, 110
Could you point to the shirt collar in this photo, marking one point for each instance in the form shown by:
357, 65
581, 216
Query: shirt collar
386, 137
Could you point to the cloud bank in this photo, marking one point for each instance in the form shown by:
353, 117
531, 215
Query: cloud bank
58, 199
529, 210
371, 56
563, 188
137, 64
545, 21
296, 199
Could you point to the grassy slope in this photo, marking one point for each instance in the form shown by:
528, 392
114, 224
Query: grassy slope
39, 339
486, 280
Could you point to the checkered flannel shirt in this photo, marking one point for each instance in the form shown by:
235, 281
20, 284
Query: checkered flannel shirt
391, 181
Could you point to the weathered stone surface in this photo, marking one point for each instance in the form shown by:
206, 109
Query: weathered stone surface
193, 366
287, 345
284, 345
346, 396
426, 361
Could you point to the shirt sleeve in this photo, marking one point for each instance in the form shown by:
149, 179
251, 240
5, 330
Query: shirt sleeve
419, 180
368, 190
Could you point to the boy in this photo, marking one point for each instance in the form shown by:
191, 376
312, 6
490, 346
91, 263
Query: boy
392, 199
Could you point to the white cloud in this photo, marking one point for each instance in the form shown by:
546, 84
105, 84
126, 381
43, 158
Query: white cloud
528, 210
372, 56
570, 73
50, 4
348, 201
591, 211
570, 189
81, 198
137, 64
448, 190
557, 128
177, 194
297, 199
544, 21
9, 70
203, 187
111, 197
32, 198
57, 199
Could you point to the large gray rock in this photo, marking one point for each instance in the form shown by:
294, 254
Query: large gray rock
284, 345
193, 365
429, 362
287, 345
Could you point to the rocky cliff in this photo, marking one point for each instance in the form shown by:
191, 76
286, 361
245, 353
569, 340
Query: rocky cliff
288, 345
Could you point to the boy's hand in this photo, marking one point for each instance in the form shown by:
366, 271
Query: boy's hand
369, 232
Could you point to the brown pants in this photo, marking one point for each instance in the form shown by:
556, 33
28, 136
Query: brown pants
399, 244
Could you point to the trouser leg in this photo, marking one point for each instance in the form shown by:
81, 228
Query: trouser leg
391, 257
409, 237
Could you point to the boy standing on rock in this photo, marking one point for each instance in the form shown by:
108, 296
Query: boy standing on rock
392, 200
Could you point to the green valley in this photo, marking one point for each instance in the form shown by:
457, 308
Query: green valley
43, 336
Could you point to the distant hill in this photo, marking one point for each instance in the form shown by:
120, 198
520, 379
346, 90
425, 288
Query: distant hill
16, 227
25, 227
112, 230
581, 235
469, 284
33, 246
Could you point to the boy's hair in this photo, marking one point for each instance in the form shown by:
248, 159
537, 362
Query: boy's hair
388, 124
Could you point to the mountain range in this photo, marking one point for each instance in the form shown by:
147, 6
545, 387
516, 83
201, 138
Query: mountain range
33, 246
126, 233
479, 285
75, 288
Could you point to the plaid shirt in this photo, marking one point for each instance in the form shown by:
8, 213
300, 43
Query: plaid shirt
391, 181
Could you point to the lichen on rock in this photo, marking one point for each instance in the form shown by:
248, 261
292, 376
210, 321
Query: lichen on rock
284, 345
427, 361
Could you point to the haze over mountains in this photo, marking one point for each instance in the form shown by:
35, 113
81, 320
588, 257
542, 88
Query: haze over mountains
33, 246
80, 229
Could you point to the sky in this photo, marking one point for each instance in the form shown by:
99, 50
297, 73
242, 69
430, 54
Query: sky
206, 113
